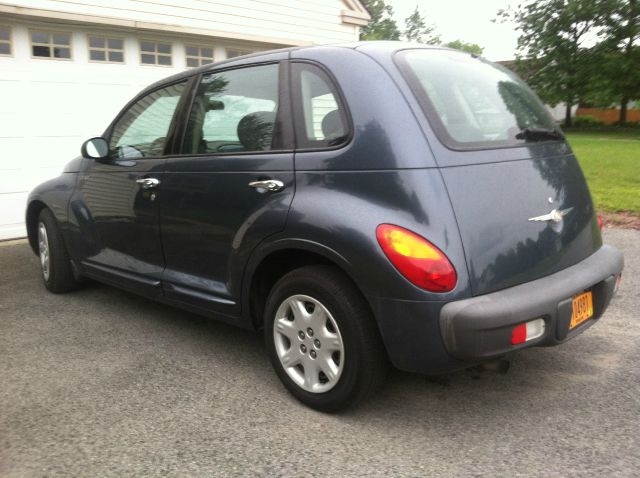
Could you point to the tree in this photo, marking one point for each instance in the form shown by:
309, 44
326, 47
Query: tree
382, 25
416, 29
551, 47
618, 77
472, 48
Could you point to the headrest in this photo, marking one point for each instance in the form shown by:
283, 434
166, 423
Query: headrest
332, 126
255, 130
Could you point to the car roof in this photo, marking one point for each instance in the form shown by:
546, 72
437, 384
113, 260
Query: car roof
379, 47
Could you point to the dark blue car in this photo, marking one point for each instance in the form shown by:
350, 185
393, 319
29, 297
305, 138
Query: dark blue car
362, 204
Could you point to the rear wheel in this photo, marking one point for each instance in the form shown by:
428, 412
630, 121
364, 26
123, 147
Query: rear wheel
54, 260
322, 340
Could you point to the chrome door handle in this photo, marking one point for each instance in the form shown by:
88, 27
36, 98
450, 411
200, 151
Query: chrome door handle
271, 185
148, 183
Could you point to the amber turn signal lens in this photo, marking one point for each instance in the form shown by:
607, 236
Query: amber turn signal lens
419, 261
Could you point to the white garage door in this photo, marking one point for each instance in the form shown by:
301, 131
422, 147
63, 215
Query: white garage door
49, 107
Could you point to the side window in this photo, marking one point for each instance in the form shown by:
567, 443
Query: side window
142, 130
52, 45
234, 112
320, 118
155, 53
5, 41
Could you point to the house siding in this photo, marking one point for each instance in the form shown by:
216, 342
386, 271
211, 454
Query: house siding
293, 23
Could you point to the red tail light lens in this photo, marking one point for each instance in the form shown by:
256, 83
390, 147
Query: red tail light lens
600, 222
419, 261
533, 329
519, 334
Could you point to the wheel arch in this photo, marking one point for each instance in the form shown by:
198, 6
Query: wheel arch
273, 262
34, 209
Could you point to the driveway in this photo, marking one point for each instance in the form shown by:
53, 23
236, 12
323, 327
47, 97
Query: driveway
103, 383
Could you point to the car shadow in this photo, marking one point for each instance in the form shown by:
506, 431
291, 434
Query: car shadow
243, 354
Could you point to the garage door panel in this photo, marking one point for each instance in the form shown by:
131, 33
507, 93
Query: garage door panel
52, 152
15, 181
13, 96
24, 180
49, 124
12, 209
13, 125
12, 153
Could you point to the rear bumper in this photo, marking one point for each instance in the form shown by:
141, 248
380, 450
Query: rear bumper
479, 328
436, 337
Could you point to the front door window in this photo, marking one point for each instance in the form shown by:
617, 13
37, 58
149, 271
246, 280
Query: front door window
143, 130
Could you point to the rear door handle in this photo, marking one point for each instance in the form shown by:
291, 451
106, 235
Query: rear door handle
271, 185
148, 183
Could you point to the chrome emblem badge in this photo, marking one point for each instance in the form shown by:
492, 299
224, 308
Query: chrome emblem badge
555, 215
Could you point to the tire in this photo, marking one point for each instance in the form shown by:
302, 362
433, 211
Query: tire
341, 361
55, 264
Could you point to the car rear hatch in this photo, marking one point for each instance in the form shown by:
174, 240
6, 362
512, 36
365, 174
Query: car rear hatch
520, 199
521, 220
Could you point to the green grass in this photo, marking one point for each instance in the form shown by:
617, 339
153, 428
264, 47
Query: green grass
611, 162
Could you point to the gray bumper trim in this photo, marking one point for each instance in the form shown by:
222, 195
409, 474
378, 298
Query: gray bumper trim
480, 327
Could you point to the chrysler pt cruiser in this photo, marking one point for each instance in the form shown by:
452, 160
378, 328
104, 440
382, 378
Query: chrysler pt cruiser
361, 204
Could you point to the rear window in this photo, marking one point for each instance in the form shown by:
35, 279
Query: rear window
471, 103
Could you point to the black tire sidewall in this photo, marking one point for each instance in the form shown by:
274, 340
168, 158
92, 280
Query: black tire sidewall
346, 311
61, 277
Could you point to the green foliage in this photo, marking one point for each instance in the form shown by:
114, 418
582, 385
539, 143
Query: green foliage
464, 46
586, 121
555, 57
416, 30
551, 44
382, 25
617, 76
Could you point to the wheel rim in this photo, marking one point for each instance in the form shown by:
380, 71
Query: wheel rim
43, 247
308, 343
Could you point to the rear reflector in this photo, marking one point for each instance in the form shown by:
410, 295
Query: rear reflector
528, 331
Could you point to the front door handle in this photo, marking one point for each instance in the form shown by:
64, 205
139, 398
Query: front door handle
271, 185
148, 183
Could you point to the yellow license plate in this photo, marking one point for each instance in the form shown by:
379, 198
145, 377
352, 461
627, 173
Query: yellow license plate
582, 309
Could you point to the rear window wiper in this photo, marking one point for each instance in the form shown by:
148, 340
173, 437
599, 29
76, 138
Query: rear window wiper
537, 134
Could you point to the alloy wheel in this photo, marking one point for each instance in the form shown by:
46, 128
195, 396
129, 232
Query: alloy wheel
43, 247
308, 343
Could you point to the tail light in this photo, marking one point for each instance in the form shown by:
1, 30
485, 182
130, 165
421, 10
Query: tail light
600, 222
419, 261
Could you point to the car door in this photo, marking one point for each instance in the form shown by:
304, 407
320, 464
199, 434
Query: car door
116, 206
231, 187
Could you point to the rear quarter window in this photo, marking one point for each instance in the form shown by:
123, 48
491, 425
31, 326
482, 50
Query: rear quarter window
321, 119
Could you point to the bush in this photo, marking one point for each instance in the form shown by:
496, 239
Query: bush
586, 121
628, 125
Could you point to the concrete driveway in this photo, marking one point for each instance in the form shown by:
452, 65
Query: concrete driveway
102, 383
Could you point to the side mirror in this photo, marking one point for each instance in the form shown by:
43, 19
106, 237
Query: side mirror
95, 148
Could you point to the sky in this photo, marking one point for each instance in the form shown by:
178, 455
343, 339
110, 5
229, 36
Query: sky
467, 20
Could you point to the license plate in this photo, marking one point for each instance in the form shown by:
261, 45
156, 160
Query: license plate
582, 309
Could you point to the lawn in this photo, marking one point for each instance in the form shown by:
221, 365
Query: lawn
611, 163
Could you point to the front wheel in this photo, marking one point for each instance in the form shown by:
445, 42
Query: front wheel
54, 260
322, 340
